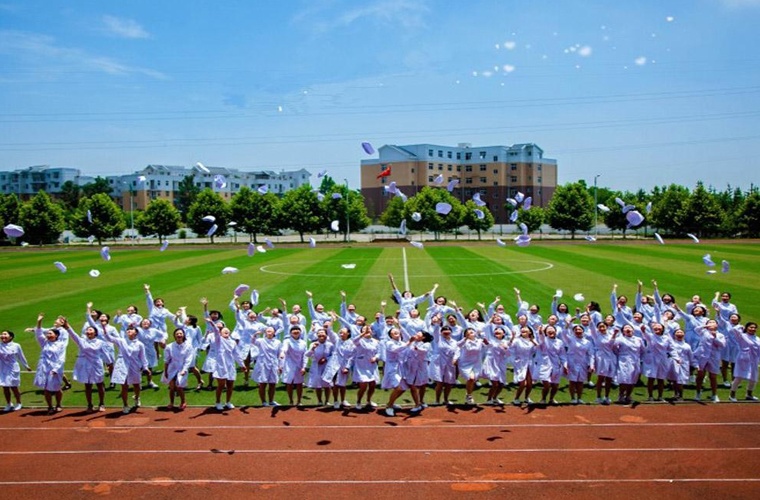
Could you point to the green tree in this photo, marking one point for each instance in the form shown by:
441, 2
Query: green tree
532, 218
327, 184
393, 213
702, 214
70, 195
748, 216
300, 211
350, 202
668, 209
425, 203
571, 209
471, 220
208, 203
160, 218
42, 220
187, 192
255, 213
615, 219
107, 218
99, 186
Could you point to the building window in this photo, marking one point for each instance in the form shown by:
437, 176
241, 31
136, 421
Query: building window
539, 180
483, 168
539, 167
448, 154
430, 166
468, 180
430, 152
440, 154
468, 168
449, 168
495, 183
495, 158
459, 168
482, 155
513, 166
459, 156
513, 178
496, 171
412, 169
483, 180
430, 178
468, 156
530, 177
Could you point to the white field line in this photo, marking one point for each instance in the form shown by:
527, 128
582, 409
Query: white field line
429, 451
349, 482
380, 427
406, 269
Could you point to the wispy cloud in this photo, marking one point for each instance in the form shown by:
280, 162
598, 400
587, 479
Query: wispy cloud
401, 13
41, 50
124, 28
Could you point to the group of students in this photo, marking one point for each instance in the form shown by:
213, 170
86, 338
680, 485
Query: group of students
656, 339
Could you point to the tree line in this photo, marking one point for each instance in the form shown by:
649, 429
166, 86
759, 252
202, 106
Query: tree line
90, 212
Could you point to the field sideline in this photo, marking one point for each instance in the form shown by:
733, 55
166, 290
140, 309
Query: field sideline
466, 274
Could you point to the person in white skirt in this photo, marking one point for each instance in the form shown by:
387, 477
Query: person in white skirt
266, 371
521, 349
469, 361
179, 359
494, 366
319, 353
130, 364
11, 359
553, 362
293, 361
366, 372
629, 350
394, 350
149, 337
225, 368
442, 370
49, 375
580, 360
683, 362
414, 368
338, 369
708, 356
747, 359
88, 368
605, 360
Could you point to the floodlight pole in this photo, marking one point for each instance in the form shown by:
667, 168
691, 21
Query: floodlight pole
348, 228
596, 208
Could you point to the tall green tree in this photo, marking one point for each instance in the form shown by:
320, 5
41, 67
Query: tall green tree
615, 219
99, 186
42, 220
160, 218
393, 213
702, 214
748, 216
208, 203
571, 209
425, 203
532, 218
327, 184
349, 209
668, 206
9, 210
300, 211
70, 195
255, 213
471, 220
107, 218
187, 192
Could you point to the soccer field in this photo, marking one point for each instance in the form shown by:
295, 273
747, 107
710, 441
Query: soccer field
466, 274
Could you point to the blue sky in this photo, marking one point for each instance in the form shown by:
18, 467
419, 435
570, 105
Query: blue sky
643, 93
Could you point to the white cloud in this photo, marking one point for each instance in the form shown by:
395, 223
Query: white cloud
124, 28
41, 50
403, 13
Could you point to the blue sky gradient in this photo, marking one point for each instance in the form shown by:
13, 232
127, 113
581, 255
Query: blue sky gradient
643, 93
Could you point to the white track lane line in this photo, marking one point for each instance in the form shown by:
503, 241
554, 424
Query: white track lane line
512, 451
341, 482
406, 269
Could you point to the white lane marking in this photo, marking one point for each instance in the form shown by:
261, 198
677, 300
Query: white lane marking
406, 269
382, 450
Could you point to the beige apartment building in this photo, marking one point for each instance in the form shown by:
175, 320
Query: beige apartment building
496, 172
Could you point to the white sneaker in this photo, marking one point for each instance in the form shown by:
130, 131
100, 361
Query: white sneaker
274, 403
751, 398
8, 407
579, 401
599, 401
18, 406
373, 404
396, 407
726, 384
469, 400
574, 401
264, 404
732, 399
346, 404
424, 405
498, 401
336, 405
715, 399
516, 402
606, 401
698, 396
219, 407
137, 402
153, 385
229, 406
390, 412
591, 384
358, 406
416, 409
489, 402
126, 410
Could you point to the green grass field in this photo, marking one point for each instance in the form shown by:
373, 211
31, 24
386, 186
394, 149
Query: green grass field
471, 274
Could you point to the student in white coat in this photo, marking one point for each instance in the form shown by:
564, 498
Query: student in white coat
179, 358
88, 368
49, 375
11, 360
